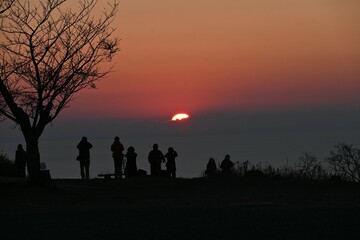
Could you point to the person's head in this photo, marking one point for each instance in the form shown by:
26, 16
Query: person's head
117, 139
227, 156
171, 149
84, 139
131, 149
211, 160
155, 146
20, 147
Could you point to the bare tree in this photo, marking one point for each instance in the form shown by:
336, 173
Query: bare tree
47, 54
309, 166
345, 161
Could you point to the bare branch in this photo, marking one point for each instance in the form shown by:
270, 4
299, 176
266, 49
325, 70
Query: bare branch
345, 161
5, 5
49, 53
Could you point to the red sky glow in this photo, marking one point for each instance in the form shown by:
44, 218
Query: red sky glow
207, 55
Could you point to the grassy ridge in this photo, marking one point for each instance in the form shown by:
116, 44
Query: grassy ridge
157, 208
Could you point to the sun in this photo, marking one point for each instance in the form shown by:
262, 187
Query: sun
180, 116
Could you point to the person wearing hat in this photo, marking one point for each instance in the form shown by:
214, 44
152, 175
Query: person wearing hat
227, 165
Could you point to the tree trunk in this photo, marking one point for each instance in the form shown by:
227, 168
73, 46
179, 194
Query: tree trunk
33, 156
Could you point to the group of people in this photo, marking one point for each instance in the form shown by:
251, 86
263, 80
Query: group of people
226, 166
155, 158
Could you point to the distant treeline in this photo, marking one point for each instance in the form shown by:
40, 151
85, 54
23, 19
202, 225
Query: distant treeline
343, 164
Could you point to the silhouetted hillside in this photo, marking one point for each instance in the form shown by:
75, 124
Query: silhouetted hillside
160, 208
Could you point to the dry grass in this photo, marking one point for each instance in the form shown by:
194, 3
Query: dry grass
158, 208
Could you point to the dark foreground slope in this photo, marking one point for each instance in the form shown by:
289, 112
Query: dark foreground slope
147, 208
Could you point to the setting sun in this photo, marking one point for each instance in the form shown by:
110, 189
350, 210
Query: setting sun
180, 116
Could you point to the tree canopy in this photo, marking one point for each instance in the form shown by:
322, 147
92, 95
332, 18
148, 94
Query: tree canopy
48, 54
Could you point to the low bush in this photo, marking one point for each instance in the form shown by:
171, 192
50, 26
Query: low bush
7, 167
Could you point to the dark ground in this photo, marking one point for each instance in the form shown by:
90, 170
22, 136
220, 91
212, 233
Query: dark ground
147, 208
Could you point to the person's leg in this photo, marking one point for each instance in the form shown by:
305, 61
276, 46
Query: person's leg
23, 172
18, 171
82, 166
120, 170
152, 170
87, 169
117, 170
158, 170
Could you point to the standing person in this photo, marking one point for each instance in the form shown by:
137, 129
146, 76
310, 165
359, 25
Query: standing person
155, 158
20, 161
117, 149
211, 168
170, 163
131, 168
84, 157
227, 165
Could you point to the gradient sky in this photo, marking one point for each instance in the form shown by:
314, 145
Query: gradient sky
240, 55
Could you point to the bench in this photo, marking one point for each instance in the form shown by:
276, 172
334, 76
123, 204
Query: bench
106, 175
140, 172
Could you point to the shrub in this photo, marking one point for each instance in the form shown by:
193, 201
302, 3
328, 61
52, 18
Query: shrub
309, 167
7, 167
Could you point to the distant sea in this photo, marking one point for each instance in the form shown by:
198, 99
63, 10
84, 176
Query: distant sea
275, 138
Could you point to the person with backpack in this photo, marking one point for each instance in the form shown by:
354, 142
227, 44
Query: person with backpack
155, 158
227, 166
170, 163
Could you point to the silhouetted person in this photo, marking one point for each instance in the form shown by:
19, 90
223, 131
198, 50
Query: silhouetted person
211, 168
117, 152
227, 165
131, 168
155, 158
84, 157
170, 163
20, 161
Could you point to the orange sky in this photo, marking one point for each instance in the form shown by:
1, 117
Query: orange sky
242, 55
